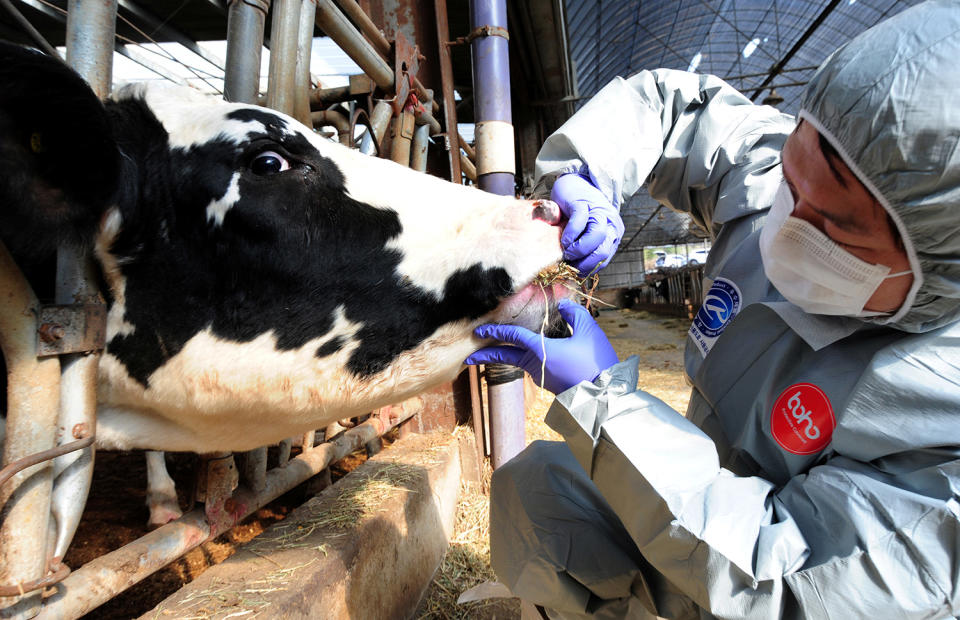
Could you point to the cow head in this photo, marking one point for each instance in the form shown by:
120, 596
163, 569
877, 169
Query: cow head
262, 281
262, 276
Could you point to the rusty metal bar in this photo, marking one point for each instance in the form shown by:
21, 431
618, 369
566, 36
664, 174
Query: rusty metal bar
284, 38
366, 26
333, 119
33, 401
380, 120
101, 579
418, 150
446, 84
468, 149
469, 170
336, 25
253, 468
403, 127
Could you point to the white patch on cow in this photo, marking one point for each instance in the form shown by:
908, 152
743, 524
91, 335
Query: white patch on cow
447, 227
218, 208
110, 225
205, 121
221, 395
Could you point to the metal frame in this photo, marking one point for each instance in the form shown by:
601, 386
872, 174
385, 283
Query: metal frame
32, 501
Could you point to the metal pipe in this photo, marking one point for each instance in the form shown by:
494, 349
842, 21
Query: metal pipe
245, 23
495, 170
469, 170
336, 25
446, 84
33, 400
366, 26
468, 148
253, 468
301, 93
91, 27
403, 127
418, 150
380, 120
326, 96
334, 119
284, 34
101, 579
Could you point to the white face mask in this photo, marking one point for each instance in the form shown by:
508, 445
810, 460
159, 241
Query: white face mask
810, 269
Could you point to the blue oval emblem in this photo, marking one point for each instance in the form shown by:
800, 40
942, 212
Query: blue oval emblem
720, 305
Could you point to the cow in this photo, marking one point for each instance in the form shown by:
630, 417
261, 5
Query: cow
261, 281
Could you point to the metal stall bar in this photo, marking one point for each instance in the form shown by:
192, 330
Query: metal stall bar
245, 23
33, 400
366, 25
241, 83
91, 28
101, 579
495, 171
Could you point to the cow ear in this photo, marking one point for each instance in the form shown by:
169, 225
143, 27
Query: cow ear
57, 151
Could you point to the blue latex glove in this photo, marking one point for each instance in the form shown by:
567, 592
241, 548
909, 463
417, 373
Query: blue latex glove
594, 226
581, 357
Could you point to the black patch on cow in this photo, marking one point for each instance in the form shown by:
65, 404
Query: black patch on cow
59, 169
293, 249
331, 347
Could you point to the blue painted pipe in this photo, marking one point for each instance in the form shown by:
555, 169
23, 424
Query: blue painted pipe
491, 96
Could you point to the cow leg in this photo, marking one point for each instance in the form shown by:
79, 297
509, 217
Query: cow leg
161, 492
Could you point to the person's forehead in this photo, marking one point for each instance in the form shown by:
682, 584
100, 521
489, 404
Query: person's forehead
814, 175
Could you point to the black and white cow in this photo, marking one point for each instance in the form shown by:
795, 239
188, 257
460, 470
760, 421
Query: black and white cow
261, 280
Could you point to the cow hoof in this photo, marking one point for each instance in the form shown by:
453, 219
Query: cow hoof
163, 513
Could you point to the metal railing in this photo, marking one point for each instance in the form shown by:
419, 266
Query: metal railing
677, 292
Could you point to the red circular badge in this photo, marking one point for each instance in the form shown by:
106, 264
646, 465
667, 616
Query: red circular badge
802, 419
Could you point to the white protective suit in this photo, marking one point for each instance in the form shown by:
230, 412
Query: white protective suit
817, 471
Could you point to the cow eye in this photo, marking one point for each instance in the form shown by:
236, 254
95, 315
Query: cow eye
268, 162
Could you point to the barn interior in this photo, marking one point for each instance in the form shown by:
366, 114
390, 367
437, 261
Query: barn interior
406, 80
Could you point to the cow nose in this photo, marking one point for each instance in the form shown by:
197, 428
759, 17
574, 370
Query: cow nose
546, 210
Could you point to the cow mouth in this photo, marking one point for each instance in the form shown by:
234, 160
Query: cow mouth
534, 306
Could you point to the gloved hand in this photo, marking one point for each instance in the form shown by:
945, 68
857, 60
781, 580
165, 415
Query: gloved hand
581, 357
594, 229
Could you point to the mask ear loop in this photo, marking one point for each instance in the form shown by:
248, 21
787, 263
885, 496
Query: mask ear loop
897, 275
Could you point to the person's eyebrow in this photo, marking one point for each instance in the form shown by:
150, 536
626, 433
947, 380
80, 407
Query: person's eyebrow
831, 156
846, 222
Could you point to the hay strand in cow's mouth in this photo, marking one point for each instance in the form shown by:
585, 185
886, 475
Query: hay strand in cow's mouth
567, 276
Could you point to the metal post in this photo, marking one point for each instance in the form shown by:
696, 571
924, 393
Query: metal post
33, 400
403, 127
91, 28
418, 150
336, 25
284, 37
302, 87
446, 86
241, 84
245, 19
495, 170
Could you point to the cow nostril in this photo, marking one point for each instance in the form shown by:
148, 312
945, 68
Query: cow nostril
546, 210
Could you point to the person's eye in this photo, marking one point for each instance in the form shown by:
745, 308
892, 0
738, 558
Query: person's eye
267, 163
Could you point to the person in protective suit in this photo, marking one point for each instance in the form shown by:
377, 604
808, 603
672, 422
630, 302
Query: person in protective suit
817, 470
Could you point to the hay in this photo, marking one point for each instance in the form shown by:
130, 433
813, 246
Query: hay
466, 564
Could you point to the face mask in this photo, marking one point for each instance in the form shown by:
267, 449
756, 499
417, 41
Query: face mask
810, 269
